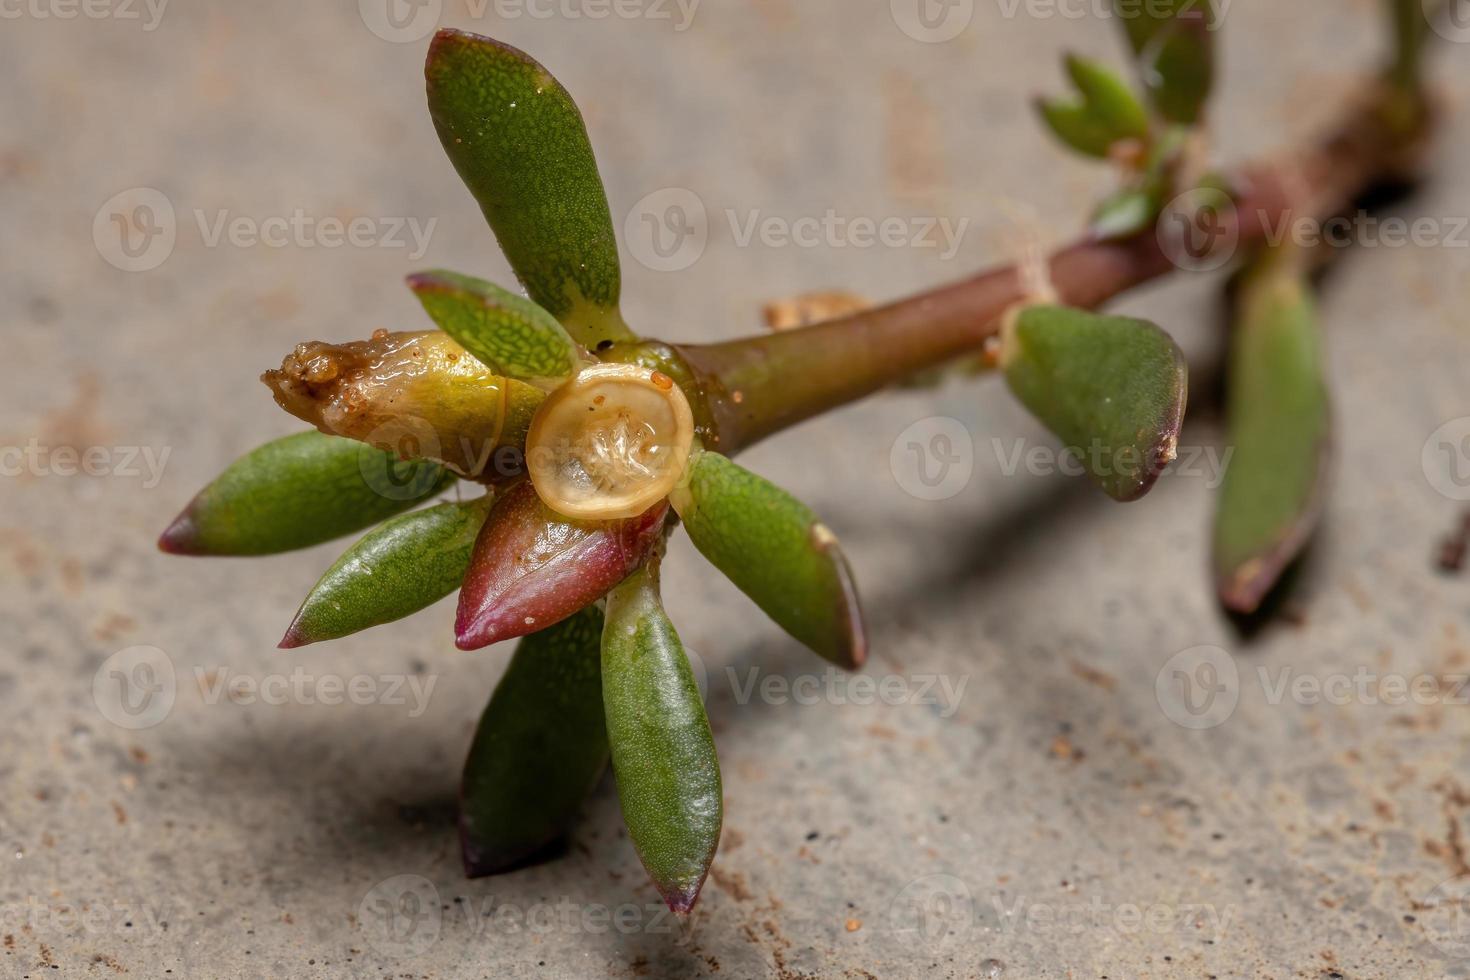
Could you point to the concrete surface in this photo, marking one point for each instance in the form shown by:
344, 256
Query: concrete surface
1048, 817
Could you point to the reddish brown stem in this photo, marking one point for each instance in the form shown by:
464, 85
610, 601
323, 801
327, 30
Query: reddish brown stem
757, 386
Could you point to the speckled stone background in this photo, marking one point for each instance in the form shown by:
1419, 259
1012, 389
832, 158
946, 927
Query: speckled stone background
1020, 799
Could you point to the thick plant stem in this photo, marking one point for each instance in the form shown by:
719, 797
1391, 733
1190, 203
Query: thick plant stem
757, 386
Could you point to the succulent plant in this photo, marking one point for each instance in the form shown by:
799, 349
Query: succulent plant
592, 444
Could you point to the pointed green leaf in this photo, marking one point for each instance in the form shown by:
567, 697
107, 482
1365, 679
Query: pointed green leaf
775, 550
296, 492
507, 333
1108, 97
1076, 126
404, 565
1279, 431
1111, 388
519, 144
1173, 42
540, 748
1106, 113
662, 750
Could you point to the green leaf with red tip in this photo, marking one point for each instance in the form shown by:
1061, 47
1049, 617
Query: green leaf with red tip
299, 491
517, 140
777, 552
1111, 388
1173, 43
507, 333
1105, 113
663, 752
406, 564
1279, 434
540, 748
532, 567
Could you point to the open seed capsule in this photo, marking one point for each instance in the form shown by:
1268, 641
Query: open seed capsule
610, 443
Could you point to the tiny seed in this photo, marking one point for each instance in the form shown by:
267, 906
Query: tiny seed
599, 399
662, 380
737, 396
380, 334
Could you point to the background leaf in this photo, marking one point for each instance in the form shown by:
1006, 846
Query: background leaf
539, 750
662, 750
296, 492
777, 552
1106, 113
1280, 432
505, 332
1174, 44
532, 567
519, 144
406, 564
1111, 388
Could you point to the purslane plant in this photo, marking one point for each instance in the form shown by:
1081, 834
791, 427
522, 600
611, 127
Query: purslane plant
592, 443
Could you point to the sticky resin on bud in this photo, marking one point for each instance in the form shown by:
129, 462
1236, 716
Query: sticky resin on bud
610, 443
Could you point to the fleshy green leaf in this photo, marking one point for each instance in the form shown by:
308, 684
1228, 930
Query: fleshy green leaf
1109, 98
1280, 432
1111, 388
519, 144
1125, 212
1075, 126
775, 550
507, 333
540, 749
662, 750
1106, 113
1173, 42
532, 567
296, 492
406, 564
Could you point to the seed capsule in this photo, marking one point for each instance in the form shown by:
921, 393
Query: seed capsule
610, 443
